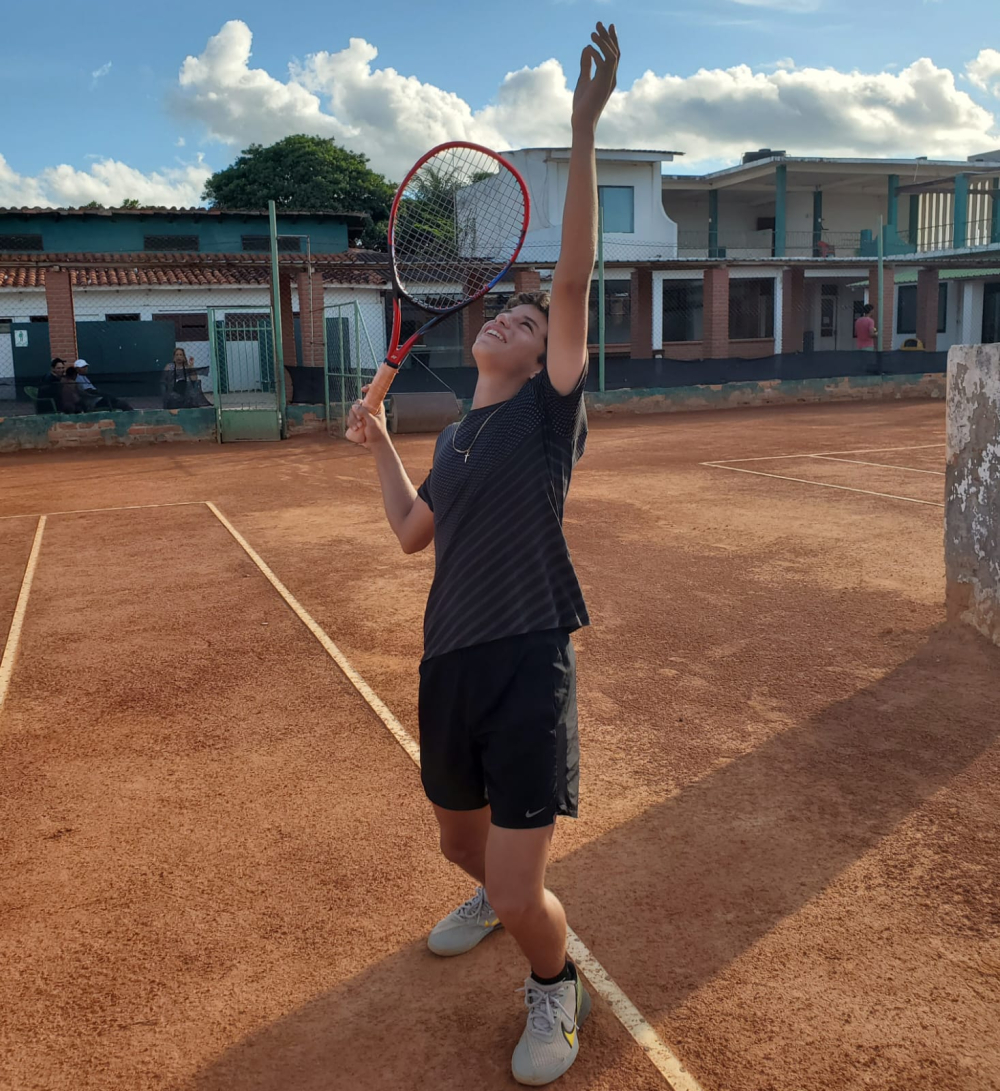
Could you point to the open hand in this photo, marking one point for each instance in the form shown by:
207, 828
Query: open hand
593, 88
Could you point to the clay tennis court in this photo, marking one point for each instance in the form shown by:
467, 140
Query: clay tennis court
219, 867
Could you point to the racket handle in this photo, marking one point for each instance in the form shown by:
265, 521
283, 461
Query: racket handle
379, 387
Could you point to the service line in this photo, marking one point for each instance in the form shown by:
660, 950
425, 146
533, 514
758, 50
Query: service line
20, 608
659, 1053
824, 454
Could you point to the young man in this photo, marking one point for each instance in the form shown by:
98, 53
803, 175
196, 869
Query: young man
497, 706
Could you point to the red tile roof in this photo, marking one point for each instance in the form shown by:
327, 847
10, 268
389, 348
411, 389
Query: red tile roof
354, 267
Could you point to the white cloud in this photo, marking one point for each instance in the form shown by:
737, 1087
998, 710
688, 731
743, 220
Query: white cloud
107, 181
99, 73
180, 142
710, 114
984, 71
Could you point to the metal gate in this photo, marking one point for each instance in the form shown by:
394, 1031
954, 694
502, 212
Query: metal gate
247, 386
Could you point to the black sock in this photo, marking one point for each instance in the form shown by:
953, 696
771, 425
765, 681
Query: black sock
568, 974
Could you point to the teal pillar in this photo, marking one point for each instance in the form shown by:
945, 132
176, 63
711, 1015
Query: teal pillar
914, 230
995, 214
713, 223
817, 221
961, 236
780, 212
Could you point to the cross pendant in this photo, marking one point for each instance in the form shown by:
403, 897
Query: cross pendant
466, 456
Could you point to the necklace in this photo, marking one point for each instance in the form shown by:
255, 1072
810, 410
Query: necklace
468, 449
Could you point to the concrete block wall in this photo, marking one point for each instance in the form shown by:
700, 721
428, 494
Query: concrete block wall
972, 503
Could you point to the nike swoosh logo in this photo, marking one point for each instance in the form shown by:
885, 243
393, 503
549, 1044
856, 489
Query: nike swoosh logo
531, 814
569, 1035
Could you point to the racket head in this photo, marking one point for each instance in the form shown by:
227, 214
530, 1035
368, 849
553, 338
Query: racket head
457, 224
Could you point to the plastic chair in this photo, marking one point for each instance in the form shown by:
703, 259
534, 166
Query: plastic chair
32, 392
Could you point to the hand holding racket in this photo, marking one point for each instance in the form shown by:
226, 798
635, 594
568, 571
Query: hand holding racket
457, 224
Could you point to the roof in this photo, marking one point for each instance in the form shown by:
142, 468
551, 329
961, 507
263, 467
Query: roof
614, 154
217, 213
356, 267
909, 276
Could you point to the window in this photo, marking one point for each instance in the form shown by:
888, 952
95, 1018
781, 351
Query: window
188, 326
618, 203
439, 347
170, 242
906, 308
682, 310
38, 318
122, 317
751, 309
20, 242
991, 313
287, 244
617, 313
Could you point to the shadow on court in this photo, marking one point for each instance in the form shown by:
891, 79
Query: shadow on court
665, 902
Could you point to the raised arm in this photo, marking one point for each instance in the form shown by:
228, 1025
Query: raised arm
570, 295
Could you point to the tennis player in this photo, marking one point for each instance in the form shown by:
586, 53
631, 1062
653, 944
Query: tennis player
497, 704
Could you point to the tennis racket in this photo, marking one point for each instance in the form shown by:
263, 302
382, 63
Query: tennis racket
457, 224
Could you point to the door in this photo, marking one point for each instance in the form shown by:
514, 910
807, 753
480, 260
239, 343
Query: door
243, 375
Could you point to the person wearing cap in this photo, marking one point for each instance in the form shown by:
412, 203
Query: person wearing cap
91, 397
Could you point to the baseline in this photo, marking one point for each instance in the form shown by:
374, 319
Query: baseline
819, 484
659, 1053
92, 511
20, 609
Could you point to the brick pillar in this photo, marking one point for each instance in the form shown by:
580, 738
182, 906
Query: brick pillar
472, 319
885, 311
641, 315
794, 310
287, 320
311, 320
62, 318
927, 308
527, 280
715, 338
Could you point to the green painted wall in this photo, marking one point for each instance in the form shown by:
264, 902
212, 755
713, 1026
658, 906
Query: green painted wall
104, 233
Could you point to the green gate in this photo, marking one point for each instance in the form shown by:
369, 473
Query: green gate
247, 388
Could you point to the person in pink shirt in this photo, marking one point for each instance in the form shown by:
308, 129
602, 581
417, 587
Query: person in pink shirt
864, 330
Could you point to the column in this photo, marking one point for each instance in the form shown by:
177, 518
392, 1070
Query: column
892, 204
960, 238
794, 310
287, 320
715, 318
817, 221
527, 280
927, 307
62, 318
641, 315
311, 318
780, 210
995, 214
713, 223
914, 228
473, 318
885, 311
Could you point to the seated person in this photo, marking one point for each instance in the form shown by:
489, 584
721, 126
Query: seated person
90, 396
181, 384
48, 386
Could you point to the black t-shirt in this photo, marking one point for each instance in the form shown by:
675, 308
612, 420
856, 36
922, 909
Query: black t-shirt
502, 566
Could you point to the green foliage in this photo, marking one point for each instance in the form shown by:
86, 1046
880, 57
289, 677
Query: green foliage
130, 202
309, 174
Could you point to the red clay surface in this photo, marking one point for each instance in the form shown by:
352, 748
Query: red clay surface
219, 869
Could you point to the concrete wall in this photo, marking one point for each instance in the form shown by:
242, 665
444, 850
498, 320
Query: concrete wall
51, 432
972, 510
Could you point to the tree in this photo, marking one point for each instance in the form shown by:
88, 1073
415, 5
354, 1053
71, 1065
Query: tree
308, 174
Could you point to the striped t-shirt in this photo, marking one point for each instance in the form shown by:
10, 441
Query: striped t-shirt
502, 566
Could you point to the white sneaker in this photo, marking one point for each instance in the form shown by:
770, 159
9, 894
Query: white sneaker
551, 1039
464, 927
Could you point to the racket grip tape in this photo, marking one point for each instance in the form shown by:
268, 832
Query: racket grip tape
379, 387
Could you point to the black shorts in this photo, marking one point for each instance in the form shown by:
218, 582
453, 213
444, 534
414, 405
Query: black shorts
498, 728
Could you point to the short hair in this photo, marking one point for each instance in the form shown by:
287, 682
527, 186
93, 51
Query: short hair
539, 300
868, 308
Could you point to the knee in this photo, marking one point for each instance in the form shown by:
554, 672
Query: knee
460, 852
512, 904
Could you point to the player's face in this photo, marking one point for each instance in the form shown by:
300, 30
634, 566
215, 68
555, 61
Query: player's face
514, 340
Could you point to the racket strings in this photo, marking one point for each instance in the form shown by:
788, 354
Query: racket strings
458, 224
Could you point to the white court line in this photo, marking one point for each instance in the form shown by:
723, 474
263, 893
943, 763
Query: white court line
884, 465
821, 484
20, 607
120, 507
659, 1053
818, 454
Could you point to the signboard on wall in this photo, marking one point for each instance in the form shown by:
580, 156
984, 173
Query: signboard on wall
20, 339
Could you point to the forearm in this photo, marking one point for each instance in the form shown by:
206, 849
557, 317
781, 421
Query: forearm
579, 227
398, 493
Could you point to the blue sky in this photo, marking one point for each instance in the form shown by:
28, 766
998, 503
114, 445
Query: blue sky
92, 98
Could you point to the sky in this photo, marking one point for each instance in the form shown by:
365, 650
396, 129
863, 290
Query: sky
100, 102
